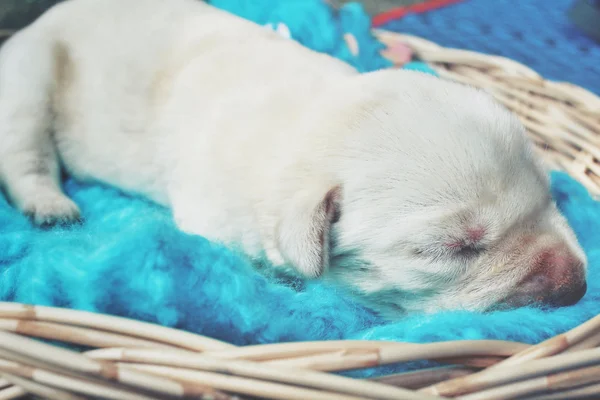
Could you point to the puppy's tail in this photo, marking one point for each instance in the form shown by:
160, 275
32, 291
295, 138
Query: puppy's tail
29, 166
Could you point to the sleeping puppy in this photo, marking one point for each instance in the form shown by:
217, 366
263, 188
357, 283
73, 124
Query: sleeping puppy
417, 193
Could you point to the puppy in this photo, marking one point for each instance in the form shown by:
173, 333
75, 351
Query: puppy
416, 193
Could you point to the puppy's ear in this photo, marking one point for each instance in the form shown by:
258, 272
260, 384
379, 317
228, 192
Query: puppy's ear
303, 232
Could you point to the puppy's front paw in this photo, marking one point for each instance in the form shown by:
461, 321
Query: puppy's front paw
52, 209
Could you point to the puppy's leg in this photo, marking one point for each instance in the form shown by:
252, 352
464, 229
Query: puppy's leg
29, 167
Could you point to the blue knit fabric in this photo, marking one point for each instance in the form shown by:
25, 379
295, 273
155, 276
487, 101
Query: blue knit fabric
536, 33
316, 25
129, 259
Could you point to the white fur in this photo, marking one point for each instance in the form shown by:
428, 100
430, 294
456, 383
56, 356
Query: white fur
246, 135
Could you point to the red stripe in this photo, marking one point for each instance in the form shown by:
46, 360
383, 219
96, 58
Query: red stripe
400, 12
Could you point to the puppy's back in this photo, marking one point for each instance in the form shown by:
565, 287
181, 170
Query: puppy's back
117, 62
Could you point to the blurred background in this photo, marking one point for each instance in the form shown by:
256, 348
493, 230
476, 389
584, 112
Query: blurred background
560, 39
17, 13
374, 7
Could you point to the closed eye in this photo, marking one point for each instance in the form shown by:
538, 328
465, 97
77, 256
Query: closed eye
443, 252
468, 251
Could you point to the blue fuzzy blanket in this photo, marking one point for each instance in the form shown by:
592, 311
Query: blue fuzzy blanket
537, 33
128, 258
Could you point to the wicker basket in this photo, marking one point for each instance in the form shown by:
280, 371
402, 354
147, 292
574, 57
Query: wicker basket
562, 119
134, 360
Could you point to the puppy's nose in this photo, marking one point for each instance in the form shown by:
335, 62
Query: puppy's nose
557, 279
570, 297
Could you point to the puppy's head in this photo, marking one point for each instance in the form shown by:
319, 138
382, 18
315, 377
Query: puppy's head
442, 205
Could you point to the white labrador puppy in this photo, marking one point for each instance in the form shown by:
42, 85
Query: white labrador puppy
417, 193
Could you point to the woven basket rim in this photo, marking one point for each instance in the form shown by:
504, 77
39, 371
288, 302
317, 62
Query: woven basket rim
562, 119
133, 359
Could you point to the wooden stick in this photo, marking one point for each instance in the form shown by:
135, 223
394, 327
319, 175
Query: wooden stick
341, 360
556, 344
68, 383
380, 353
475, 362
547, 348
589, 343
251, 387
248, 369
43, 391
275, 351
585, 392
536, 386
425, 377
74, 335
349, 360
499, 376
108, 323
22, 349
12, 392
11, 363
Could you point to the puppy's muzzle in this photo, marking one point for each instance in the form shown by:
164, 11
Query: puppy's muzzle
557, 278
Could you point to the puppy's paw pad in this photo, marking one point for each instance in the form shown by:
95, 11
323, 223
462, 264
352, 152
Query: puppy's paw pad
53, 210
